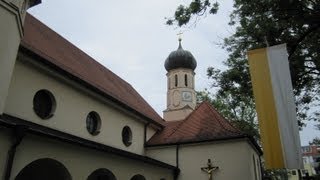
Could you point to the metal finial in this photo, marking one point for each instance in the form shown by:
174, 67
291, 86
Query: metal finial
180, 39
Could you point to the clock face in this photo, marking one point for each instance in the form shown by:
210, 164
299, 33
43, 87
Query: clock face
186, 96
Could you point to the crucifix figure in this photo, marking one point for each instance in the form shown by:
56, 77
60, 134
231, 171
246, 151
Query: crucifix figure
209, 169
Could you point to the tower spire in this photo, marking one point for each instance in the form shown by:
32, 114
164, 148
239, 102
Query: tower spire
181, 95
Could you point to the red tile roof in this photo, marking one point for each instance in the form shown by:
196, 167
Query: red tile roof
51, 47
203, 124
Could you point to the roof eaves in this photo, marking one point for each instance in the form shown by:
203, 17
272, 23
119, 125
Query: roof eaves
255, 145
12, 122
198, 141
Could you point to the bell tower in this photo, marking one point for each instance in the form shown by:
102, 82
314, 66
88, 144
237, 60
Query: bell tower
181, 96
12, 14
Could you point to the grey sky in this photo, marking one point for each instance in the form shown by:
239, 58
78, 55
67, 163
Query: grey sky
131, 39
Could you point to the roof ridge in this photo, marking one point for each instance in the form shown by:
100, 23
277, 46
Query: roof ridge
176, 128
214, 109
185, 120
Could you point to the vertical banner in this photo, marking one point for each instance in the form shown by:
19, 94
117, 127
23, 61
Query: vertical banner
272, 89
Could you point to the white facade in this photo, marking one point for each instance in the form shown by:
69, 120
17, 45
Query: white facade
235, 159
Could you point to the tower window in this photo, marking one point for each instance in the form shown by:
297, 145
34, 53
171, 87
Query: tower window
175, 80
93, 122
44, 104
186, 80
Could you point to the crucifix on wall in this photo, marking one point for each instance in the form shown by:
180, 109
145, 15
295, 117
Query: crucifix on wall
209, 169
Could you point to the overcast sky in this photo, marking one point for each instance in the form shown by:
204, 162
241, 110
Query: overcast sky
131, 39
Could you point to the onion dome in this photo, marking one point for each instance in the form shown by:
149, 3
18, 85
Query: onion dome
180, 59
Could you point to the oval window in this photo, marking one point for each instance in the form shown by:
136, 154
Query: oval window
44, 104
126, 136
93, 122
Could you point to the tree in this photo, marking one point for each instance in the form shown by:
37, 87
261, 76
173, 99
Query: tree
259, 24
315, 141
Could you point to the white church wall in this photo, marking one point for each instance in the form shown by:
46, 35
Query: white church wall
181, 72
233, 159
81, 162
72, 108
165, 154
150, 132
10, 39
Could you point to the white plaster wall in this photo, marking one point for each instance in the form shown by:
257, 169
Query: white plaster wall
5, 143
180, 72
165, 154
234, 159
73, 105
9, 44
81, 162
174, 93
150, 132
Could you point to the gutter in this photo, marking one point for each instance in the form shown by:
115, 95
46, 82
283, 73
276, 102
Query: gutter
39, 130
241, 136
18, 133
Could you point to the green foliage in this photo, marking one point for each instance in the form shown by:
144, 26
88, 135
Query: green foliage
183, 13
275, 174
315, 141
259, 24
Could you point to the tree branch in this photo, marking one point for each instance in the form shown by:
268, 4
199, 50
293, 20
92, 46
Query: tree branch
301, 38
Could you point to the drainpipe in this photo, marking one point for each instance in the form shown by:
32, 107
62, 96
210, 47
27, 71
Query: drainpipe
176, 173
177, 170
145, 132
18, 133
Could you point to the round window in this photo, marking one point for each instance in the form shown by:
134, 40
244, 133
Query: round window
126, 136
93, 122
44, 104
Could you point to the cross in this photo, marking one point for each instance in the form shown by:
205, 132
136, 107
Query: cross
179, 35
209, 170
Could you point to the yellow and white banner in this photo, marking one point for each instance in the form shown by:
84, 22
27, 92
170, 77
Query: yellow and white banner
272, 89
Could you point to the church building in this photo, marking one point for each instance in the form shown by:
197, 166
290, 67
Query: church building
65, 116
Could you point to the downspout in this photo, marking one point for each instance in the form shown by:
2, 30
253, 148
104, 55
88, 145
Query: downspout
145, 132
18, 133
261, 169
177, 170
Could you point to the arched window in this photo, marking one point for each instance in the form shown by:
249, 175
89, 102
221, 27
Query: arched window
100, 174
46, 168
186, 80
176, 80
138, 177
